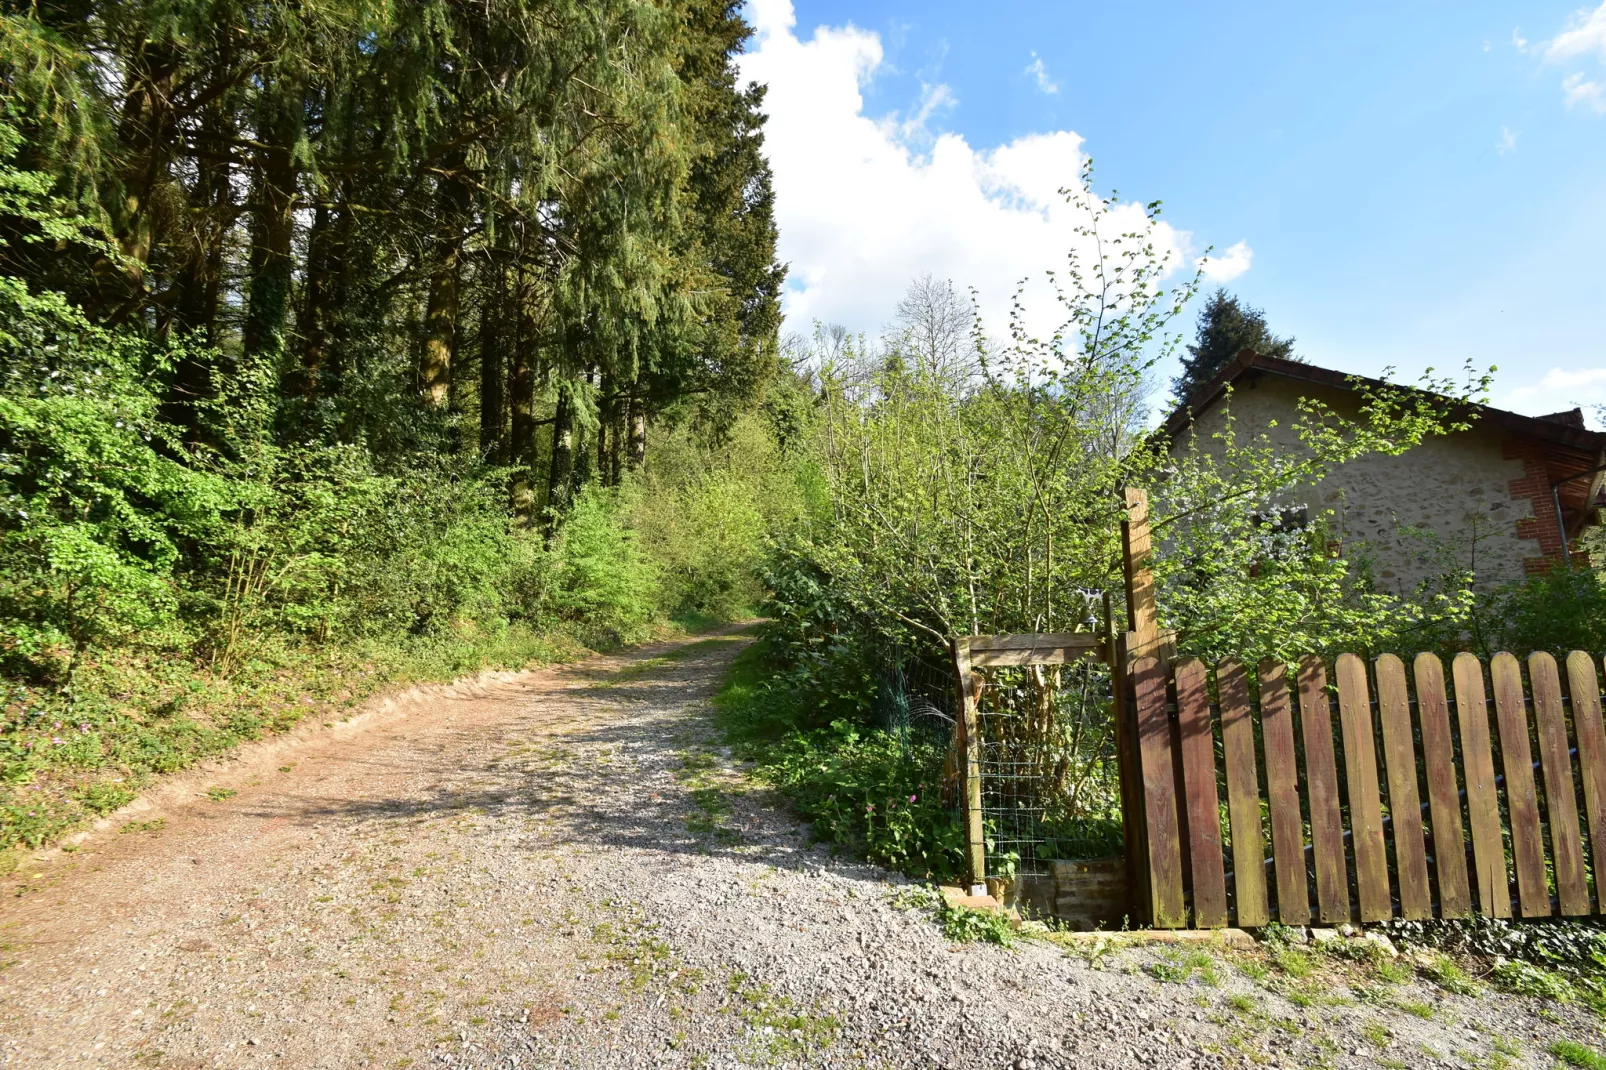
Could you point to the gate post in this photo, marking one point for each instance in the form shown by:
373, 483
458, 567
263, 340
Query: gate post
1143, 638
970, 756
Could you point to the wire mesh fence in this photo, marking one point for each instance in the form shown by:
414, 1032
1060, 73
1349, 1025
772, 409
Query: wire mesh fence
1049, 780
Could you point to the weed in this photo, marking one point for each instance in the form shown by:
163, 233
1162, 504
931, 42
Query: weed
1243, 1003
153, 825
1176, 968
1529, 980
1171, 972
1277, 934
1450, 976
1254, 969
915, 897
1376, 1034
962, 924
1418, 1010
219, 794
1575, 1054
1294, 962
1391, 971
788, 1030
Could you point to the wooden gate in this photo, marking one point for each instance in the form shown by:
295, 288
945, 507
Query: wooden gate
1386, 792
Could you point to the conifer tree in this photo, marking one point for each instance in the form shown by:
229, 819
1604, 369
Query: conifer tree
1226, 328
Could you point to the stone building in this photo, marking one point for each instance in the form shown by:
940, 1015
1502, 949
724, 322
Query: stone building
1510, 497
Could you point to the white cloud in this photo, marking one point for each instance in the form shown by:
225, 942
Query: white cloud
1518, 41
1559, 389
915, 129
1508, 141
1039, 71
1585, 35
866, 204
1229, 265
1580, 90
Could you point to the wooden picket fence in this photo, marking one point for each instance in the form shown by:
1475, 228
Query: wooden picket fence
1329, 746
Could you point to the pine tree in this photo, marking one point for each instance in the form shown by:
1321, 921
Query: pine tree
1226, 328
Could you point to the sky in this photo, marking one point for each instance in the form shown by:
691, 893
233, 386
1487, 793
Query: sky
1397, 185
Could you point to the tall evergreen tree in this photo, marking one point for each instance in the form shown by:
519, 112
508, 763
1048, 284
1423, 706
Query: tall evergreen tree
1226, 328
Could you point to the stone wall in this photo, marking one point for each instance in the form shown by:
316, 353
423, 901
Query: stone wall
1467, 492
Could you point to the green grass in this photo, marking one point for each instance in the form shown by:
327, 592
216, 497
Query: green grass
1418, 1010
1575, 1054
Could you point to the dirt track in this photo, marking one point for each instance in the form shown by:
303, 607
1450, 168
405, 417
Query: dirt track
562, 870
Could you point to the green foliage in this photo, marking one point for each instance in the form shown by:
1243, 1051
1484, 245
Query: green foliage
1225, 329
601, 579
963, 924
1526, 979
276, 376
865, 790
1561, 611
1580, 1055
707, 507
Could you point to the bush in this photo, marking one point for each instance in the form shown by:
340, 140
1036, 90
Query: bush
601, 582
1559, 612
868, 791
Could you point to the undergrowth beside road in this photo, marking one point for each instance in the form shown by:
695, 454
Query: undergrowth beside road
67, 760
865, 790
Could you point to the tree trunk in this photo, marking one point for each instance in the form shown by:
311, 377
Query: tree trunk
145, 129
493, 385
638, 434
562, 471
604, 428
445, 284
314, 318
522, 402
272, 228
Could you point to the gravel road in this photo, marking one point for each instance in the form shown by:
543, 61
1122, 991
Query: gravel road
562, 869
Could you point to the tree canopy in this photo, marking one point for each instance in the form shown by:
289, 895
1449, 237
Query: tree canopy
1226, 328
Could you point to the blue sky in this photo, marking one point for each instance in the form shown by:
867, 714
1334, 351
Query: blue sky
1411, 184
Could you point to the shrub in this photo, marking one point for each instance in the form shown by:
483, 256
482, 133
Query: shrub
601, 581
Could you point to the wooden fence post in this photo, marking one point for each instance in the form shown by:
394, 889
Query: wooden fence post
968, 727
1142, 638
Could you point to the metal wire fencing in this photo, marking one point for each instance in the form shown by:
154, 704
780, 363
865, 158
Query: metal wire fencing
1050, 785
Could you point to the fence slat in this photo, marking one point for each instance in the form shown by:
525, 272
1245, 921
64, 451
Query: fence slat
1566, 838
1483, 802
1405, 805
1243, 794
1522, 800
1438, 757
1583, 686
1282, 790
1321, 784
1159, 795
1365, 803
1205, 857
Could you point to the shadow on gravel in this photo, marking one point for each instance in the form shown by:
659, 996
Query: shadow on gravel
575, 781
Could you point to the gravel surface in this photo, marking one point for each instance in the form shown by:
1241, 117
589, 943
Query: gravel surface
563, 869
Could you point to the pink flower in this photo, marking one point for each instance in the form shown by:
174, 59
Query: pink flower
911, 798
57, 740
